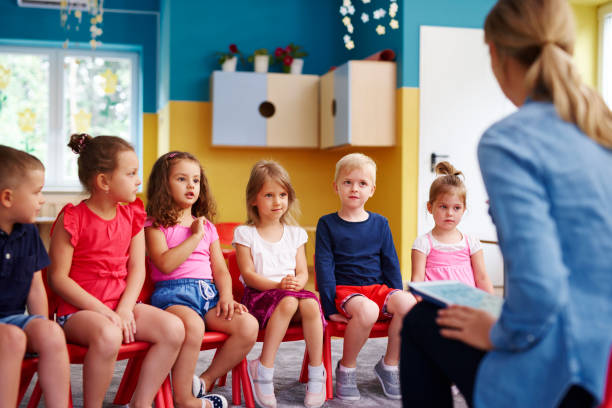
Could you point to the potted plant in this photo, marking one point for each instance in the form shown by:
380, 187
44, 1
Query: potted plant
228, 60
260, 60
290, 58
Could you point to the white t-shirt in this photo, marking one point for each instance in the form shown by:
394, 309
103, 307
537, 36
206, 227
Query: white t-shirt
273, 260
421, 244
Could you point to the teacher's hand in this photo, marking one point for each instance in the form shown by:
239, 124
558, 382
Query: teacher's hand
471, 326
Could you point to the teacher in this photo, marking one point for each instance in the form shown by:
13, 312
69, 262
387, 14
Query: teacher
548, 172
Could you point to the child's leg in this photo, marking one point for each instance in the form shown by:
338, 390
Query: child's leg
364, 314
242, 331
399, 304
313, 329
166, 333
103, 339
276, 329
12, 350
184, 367
47, 339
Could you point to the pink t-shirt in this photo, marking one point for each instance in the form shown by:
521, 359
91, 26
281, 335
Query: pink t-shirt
197, 266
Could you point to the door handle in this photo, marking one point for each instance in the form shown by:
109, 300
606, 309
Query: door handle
434, 157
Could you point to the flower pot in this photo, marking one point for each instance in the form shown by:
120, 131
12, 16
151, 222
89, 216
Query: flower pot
230, 64
261, 63
296, 66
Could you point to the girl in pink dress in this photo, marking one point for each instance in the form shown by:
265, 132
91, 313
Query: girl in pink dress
445, 253
191, 278
97, 269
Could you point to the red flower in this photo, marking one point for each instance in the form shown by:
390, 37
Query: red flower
288, 49
279, 51
288, 60
233, 48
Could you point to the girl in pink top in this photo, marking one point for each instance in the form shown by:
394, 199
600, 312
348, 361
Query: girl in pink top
445, 253
191, 277
97, 269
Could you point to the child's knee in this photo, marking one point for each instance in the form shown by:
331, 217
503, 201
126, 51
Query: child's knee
173, 330
52, 338
288, 305
400, 303
106, 340
309, 307
366, 312
12, 338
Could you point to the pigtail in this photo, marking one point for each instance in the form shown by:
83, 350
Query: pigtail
447, 169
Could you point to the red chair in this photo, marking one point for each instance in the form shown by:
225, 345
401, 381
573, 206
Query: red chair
607, 402
226, 236
294, 333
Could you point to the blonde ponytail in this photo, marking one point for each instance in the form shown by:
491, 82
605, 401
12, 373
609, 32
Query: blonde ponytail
540, 35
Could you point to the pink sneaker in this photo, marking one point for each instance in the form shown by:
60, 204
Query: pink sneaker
263, 400
315, 400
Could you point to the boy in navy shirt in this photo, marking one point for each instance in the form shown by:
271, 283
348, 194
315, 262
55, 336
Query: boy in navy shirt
358, 275
22, 256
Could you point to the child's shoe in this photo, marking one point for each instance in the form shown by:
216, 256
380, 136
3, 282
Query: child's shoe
315, 389
215, 400
266, 400
198, 387
389, 379
346, 384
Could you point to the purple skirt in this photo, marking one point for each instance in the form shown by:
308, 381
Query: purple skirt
262, 304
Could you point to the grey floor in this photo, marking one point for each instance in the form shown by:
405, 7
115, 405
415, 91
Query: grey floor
289, 392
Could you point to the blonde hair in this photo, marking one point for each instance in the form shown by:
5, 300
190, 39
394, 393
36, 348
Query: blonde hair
262, 171
539, 34
448, 183
354, 161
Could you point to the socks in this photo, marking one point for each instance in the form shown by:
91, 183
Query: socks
267, 374
346, 369
315, 373
389, 367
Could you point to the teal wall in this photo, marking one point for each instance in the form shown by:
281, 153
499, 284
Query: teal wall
128, 25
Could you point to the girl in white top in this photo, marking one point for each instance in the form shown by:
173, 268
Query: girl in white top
272, 260
445, 253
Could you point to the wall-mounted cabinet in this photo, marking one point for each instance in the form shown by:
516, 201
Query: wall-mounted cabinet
357, 105
267, 110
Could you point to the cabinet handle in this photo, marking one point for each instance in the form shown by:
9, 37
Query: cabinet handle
267, 109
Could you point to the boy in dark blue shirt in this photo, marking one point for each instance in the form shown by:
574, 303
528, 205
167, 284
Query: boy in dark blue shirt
358, 275
22, 256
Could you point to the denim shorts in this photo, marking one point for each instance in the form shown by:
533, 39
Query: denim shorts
19, 320
200, 295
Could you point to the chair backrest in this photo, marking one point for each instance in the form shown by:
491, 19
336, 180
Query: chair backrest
226, 232
607, 402
234, 270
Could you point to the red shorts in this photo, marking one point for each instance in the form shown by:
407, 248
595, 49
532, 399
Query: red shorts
379, 294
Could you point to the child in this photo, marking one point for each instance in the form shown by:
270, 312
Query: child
97, 269
186, 258
358, 275
23, 256
272, 260
445, 253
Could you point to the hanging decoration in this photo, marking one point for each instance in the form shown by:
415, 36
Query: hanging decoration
27, 120
5, 77
347, 9
82, 121
94, 8
110, 81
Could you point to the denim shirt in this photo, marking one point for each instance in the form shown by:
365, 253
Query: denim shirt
550, 190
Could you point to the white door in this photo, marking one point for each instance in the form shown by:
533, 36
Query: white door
459, 100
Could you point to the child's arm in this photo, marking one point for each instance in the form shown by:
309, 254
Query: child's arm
247, 270
135, 280
61, 251
165, 259
480, 273
418, 266
37, 297
389, 261
223, 281
325, 272
301, 269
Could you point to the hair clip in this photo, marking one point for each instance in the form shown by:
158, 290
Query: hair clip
171, 155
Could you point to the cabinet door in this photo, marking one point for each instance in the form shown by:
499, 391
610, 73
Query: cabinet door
342, 94
237, 97
295, 121
327, 110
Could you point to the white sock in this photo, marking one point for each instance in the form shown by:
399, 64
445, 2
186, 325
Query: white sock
315, 373
265, 373
389, 367
346, 369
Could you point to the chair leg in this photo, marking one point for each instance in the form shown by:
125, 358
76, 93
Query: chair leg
249, 402
167, 386
236, 376
222, 380
304, 372
128, 381
36, 396
327, 363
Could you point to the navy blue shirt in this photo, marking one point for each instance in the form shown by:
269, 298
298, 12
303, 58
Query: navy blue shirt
21, 254
354, 254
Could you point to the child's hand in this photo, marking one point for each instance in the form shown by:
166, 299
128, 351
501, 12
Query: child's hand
337, 317
111, 315
128, 325
289, 283
227, 308
197, 226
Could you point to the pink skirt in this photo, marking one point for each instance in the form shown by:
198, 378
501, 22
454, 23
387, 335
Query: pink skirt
262, 304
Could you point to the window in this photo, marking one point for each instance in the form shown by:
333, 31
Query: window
605, 52
48, 94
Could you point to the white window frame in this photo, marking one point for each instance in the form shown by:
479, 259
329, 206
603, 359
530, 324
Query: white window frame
605, 53
58, 131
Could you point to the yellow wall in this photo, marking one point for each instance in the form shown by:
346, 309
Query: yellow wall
587, 42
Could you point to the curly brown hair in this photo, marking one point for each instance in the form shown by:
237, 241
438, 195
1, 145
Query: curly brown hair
160, 205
